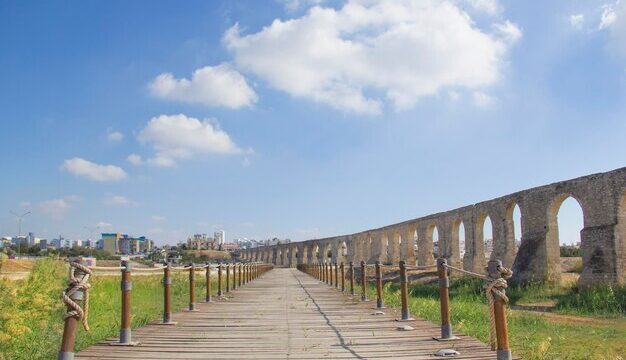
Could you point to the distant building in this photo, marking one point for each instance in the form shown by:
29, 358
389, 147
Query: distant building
109, 242
219, 237
230, 247
200, 242
116, 243
43, 244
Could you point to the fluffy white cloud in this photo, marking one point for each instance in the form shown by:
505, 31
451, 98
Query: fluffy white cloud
293, 5
178, 136
134, 159
57, 208
608, 16
81, 167
219, 85
490, 7
577, 21
118, 200
115, 136
483, 100
615, 23
368, 52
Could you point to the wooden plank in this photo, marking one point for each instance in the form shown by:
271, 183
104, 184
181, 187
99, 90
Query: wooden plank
286, 314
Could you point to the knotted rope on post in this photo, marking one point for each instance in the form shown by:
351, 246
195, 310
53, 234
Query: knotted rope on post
495, 288
76, 284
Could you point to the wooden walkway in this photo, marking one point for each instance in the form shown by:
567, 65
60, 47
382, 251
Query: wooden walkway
287, 314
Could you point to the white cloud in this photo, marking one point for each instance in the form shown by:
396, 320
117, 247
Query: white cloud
57, 208
118, 200
577, 21
158, 218
491, 7
178, 137
483, 100
293, 5
219, 85
81, 167
454, 95
103, 224
134, 159
368, 53
509, 31
608, 16
115, 136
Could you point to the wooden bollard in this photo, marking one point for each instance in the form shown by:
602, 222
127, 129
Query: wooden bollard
126, 286
336, 276
351, 278
71, 322
192, 287
343, 278
328, 278
499, 312
444, 300
363, 282
167, 295
379, 287
404, 293
219, 280
207, 275
227, 277
234, 276
240, 274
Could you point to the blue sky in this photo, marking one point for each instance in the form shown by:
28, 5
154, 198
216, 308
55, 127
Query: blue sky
301, 118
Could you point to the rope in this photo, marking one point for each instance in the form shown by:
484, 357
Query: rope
75, 285
480, 276
148, 269
107, 268
495, 288
421, 267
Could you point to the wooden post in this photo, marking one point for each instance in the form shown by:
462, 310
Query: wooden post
207, 275
167, 295
240, 274
219, 279
351, 278
363, 282
444, 300
227, 277
192, 287
499, 312
336, 276
71, 322
379, 287
404, 293
127, 286
343, 278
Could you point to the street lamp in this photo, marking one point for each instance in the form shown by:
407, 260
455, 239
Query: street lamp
19, 231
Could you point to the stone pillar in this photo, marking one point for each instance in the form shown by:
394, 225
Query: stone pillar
425, 246
394, 246
408, 243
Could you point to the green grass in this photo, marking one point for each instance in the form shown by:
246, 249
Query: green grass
31, 311
531, 335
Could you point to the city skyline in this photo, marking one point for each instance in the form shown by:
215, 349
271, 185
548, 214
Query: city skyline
156, 121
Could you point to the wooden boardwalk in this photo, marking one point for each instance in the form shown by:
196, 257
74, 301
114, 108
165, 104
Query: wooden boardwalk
287, 314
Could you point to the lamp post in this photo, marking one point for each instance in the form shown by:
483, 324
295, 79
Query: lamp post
19, 231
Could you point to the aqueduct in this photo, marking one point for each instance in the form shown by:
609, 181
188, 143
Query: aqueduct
602, 198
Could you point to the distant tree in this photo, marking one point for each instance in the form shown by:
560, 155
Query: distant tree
570, 251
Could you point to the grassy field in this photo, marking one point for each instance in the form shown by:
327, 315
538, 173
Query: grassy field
569, 333
31, 310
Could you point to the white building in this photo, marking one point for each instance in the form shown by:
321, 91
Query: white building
219, 237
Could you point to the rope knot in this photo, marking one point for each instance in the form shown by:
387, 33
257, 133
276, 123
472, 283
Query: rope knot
78, 282
495, 287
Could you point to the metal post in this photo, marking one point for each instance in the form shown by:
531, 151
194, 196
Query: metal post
207, 275
379, 287
343, 278
363, 284
71, 322
444, 299
219, 279
499, 312
192, 288
351, 278
404, 293
126, 286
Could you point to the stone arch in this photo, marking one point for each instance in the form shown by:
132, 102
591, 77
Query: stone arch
433, 237
458, 241
512, 232
553, 246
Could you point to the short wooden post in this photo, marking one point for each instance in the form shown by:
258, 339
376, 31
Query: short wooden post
240, 275
404, 293
336, 276
127, 286
227, 277
343, 278
444, 300
167, 295
71, 322
192, 287
219, 279
351, 278
207, 275
499, 311
363, 282
379, 286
